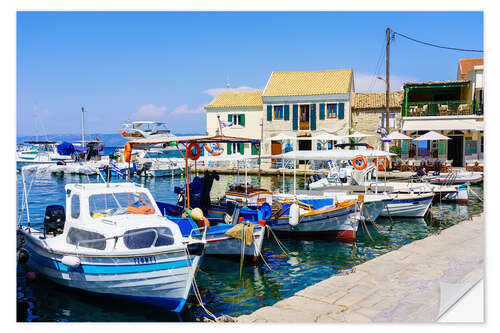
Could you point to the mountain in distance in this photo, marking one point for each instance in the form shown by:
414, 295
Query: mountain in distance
109, 140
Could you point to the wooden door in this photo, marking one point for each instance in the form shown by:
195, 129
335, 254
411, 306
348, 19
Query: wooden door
304, 117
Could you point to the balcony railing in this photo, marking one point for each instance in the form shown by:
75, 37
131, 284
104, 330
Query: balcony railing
445, 108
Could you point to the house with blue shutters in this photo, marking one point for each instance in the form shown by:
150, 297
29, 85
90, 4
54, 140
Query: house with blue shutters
305, 103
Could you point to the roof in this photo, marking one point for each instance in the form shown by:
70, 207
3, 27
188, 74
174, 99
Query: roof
365, 101
309, 83
442, 125
465, 65
438, 83
228, 99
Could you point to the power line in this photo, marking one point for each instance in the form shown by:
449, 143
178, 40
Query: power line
434, 45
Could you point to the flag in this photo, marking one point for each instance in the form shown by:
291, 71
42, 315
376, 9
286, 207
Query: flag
115, 169
225, 123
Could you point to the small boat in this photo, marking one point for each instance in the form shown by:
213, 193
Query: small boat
453, 178
112, 240
39, 152
145, 129
408, 205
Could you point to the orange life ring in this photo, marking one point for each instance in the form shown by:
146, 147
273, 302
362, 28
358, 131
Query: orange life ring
127, 152
363, 160
190, 153
212, 151
384, 165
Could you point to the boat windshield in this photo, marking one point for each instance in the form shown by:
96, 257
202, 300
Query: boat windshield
119, 203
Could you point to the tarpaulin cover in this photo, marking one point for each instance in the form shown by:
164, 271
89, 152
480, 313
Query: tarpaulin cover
65, 149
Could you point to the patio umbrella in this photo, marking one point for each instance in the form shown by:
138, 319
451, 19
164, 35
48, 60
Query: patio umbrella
397, 136
431, 135
326, 137
358, 135
281, 137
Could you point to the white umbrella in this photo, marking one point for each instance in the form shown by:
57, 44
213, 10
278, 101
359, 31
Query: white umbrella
397, 136
281, 137
358, 135
326, 137
431, 135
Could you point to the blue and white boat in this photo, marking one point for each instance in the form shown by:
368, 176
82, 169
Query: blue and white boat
113, 240
408, 204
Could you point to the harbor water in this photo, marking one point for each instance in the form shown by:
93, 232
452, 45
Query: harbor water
222, 288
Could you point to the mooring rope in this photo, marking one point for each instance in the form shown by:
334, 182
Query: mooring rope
281, 245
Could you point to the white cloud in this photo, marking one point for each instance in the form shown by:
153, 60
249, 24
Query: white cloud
149, 111
183, 109
216, 91
364, 82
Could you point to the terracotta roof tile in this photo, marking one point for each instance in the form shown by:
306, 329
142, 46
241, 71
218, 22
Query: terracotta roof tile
309, 83
465, 65
370, 101
228, 99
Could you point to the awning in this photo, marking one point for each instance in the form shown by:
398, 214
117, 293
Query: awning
442, 125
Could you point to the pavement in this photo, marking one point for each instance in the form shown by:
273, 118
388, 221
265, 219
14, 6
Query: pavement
404, 285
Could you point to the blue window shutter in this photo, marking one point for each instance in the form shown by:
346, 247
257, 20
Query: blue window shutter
313, 117
341, 110
242, 120
322, 111
286, 116
241, 148
230, 117
254, 149
295, 117
269, 113
229, 148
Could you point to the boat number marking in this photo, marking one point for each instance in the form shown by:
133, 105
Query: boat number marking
145, 260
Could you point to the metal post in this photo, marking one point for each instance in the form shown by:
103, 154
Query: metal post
387, 85
83, 129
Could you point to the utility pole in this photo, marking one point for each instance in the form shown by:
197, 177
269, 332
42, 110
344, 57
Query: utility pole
83, 133
387, 86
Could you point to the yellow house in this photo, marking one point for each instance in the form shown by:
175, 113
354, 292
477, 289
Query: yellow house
243, 112
305, 103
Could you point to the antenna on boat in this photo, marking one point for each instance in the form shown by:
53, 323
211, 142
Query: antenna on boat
83, 128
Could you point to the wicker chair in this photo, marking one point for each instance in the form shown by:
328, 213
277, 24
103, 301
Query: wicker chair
404, 165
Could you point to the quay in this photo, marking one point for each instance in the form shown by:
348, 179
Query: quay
400, 286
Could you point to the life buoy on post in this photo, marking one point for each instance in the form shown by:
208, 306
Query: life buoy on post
214, 151
382, 163
127, 152
196, 155
359, 159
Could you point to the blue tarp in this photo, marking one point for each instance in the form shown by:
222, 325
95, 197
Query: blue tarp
65, 149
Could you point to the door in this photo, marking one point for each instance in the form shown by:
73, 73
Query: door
275, 150
304, 117
456, 150
305, 145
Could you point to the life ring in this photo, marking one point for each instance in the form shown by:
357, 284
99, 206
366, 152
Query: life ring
190, 152
127, 152
384, 165
213, 151
363, 160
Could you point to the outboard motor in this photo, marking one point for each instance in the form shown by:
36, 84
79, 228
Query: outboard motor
54, 219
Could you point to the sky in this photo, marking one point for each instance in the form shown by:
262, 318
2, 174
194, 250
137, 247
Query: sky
166, 66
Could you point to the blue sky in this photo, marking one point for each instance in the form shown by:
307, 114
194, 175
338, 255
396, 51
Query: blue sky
167, 65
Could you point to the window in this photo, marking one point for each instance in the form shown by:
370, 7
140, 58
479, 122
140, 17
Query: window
482, 144
108, 204
331, 111
238, 119
84, 238
278, 112
75, 206
144, 238
392, 120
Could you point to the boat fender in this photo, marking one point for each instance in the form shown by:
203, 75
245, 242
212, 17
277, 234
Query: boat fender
71, 261
127, 152
293, 217
22, 256
265, 211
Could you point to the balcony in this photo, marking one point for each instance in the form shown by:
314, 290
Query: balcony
445, 108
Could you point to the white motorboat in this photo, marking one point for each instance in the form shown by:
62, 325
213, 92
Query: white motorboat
113, 240
408, 205
455, 178
39, 152
144, 129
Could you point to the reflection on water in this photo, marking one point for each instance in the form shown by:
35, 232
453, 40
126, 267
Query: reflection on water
222, 290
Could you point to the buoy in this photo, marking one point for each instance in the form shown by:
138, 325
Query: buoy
127, 152
22, 256
30, 276
293, 217
71, 261
197, 214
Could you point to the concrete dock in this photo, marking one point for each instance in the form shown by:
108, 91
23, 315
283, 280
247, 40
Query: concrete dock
401, 286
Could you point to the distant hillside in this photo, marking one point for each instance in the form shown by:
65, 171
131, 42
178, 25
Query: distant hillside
110, 140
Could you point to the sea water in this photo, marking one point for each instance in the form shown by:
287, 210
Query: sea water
222, 289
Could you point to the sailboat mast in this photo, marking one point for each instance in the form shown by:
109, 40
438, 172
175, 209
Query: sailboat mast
83, 131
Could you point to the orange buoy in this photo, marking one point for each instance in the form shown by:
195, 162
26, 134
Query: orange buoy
359, 159
196, 155
127, 152
382, 163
